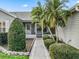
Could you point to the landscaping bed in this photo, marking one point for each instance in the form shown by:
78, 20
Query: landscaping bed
60, 50
4, 46
29, 44
49, 40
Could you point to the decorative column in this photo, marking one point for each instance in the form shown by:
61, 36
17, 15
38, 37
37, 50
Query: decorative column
36, 29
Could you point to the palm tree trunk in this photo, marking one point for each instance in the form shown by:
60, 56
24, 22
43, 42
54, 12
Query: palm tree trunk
42, 28
55, 26
42, 33
51, 32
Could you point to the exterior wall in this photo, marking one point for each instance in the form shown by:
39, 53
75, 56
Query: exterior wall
26, 18
4, 17
7, 19
71, 31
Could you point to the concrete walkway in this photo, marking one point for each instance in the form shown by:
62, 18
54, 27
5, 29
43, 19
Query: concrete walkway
39, 50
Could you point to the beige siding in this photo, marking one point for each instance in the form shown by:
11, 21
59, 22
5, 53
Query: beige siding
71, 31
7, 19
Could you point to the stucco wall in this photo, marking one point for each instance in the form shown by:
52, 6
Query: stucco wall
71, 31
7, 19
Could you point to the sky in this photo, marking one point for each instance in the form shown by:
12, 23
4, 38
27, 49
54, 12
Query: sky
25, 5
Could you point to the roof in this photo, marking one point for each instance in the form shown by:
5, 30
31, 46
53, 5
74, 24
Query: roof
23, 15
7, 13
74, 7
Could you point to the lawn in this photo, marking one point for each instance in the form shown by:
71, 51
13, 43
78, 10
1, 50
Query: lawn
4, 56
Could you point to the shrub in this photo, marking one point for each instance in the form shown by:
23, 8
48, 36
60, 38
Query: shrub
16, 36
49, 37
59, 41
46, 37
3, 38
48, 42
63, 51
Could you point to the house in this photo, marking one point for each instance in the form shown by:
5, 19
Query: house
31, 30
70, 33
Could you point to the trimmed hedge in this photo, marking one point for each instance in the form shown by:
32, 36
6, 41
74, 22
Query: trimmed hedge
63, 51
16, 36
3, 38
48, 42
54, 38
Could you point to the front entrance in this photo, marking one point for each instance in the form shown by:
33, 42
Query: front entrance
28, 28
39, 31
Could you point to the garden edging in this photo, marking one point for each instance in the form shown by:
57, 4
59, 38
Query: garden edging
12, 52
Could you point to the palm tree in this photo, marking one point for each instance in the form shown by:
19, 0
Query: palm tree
37, 15
54, 10
56, 14
52, 14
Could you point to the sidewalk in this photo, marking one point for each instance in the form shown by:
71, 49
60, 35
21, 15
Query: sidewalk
39, 50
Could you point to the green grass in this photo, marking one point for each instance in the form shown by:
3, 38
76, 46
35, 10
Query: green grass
4, 56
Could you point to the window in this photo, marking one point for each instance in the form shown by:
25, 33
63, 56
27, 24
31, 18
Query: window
78, 7
2, 26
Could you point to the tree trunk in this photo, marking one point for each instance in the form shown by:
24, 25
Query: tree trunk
50, 32
54, 31
42, 28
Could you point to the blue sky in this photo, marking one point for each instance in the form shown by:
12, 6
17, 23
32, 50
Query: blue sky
24, 5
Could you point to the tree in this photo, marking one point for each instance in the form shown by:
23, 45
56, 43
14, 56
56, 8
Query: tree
16, 36
51, 14
37, 15
56, 14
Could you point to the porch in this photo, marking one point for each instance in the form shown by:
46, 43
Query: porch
34, 30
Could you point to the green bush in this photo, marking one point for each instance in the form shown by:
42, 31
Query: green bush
63, 51
46, 37
48, 42
54, 37
16, 36
3, 38
59, 41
